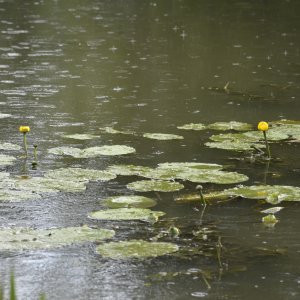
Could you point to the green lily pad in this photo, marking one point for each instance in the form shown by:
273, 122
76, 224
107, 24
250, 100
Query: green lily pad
114, 131
6, 160
121, 214
82, 136
9, 147
129, 201
214, 176
78, 174
155, 185
129, 170
272, 210
49, 185
193, 165
17, 196
135, 249
234, 145
28, 238
232, 125
192, 126
269, 220
93, 151
272, 194
162, 136
3, 116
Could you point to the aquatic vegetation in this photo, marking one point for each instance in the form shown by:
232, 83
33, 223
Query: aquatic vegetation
272, 210
28, 238
231, 125
272, 194
129, 201
191, 171
17, 195
49, 185
269, 220
136, 249
121, 214
3, 116
162, 136
192, 126
114, 131
24, 130
264, 126
155, 185
80, 136
9, 147
80, 175
6, 160
92, 151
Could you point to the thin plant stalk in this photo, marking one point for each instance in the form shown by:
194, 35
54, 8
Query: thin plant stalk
267, 145
25, 144
219, 252
12, 287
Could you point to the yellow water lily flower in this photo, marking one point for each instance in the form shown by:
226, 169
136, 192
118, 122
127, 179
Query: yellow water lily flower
263, 126
24, 129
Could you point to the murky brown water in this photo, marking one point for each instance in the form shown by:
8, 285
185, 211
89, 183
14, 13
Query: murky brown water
75, 66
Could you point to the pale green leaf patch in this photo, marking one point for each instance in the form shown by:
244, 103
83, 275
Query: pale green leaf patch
272, 210
9, 147
92, 151
81, 136
129, 201
129, 170
114, 131
192, 126
6, 160
272, 194
162, 136
135, 249
49, 185
232, 125
123, 214
79, 174
3, 116
28, 238
155, 185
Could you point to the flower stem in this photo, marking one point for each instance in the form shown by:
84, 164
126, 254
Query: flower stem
267, 145
25, 144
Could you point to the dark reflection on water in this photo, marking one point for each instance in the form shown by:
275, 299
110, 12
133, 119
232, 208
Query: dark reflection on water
75, 66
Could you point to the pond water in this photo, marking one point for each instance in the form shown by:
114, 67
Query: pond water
74, 67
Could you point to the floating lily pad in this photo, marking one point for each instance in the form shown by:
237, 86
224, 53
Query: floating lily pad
272, 194
6, 160
214, 176
162, 136
272, 210
17, 196
232, 125
269, 220
155, 185
129, 170
114, 131
135, 249
9, 147
28, 238
129, 201
78, 174
193, 165
49, 185
93, 151
3, 116
234, 145
120, 214
82, 136
192, 126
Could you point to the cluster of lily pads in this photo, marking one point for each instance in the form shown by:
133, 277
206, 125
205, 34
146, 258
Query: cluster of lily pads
165, 177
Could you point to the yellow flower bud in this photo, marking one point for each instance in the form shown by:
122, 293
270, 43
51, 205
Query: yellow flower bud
263, 126
24, 129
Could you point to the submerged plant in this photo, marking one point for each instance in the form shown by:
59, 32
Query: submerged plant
24, 130
264, 126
